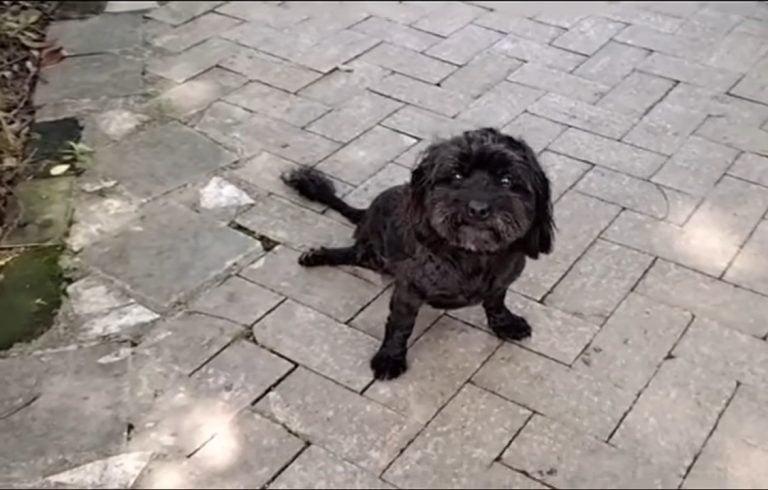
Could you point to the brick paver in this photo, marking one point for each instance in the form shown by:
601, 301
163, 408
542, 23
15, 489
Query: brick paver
221, 362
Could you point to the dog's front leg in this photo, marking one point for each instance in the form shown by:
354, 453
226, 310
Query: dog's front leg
390, 361
505, 324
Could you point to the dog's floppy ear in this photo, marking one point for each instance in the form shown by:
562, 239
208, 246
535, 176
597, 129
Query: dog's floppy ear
541, 236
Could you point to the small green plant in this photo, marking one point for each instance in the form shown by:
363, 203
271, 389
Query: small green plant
77, 154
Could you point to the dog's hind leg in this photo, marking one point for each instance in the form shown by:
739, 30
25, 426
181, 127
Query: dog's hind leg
330, 256
505, 324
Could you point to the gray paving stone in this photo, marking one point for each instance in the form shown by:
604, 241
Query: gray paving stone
654, 20
448, 19
285, 140
696, 167
704, 296
351, 426
559, 82
464, 44
599, 281
589, 35
267, 13
562, 172
665, 128
335, 50
183, 66
737, 52
671, 44
737, 136
479, 75
391, 175
363, 157
318, 468
408, 62
460, 443
176, 13
749, 269
294, 225
590, 405
196, 31
277, 104
196, 94
161, 260
98, 34
223, 123
563, 18
410, 158
424, 124
537, 131
634, 342
607, 153
326, 289
580, 219
319, 343
270, 70
500, 105
741, 430
734, 109
249, 451
237, 300
636, 94
56, 429
354, 117
581, 115
441, 362
526, 50
639, 195
520, 26
398, 34
689, 71
556, 334
754, 85
339, 86
753, 27
160, 158
323, 23
429, 97
753, 168
276, 42
373, 318
89, 77
565, 458
611, 63
674, 415
704, 23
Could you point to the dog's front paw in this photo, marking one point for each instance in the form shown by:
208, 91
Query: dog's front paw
312, 257
511, 327
387, 365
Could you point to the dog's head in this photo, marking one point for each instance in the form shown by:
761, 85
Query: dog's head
484, 191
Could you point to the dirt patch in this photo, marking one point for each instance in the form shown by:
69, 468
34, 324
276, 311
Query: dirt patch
22, 52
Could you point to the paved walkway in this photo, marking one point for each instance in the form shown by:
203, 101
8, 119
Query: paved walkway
194, 351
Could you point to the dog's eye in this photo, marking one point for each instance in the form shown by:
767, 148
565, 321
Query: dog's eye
505, 181
458, 177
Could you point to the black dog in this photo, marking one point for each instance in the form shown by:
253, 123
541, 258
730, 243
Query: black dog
457, 235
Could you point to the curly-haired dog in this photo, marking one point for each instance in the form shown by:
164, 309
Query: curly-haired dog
477, 205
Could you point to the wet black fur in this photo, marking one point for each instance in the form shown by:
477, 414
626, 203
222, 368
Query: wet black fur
477, 205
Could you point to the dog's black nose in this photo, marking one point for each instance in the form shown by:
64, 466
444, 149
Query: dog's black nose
478, 210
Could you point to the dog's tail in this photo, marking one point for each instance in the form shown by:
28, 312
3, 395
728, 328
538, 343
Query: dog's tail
317, 187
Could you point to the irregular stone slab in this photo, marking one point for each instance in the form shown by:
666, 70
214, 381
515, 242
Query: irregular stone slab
599, 281
196, 94
92, 295
741, 431
674, 415
440, 362
318, 342
194, 32
237, 300
556, 334
373, 319
565, 458
194, 61
317, 468
90, 77
591, 405
77, 412
223, 123
218, 193
118, 471
633, 342
96, 218
45, 212
326, 289
169, 254
161, 158
98, 34
119, 123
176, 13
460, 443
353, 427
118, 321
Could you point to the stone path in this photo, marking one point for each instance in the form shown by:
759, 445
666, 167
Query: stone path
194, 351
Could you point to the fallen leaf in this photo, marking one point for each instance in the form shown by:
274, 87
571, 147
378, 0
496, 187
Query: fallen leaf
51, 56
59, 169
